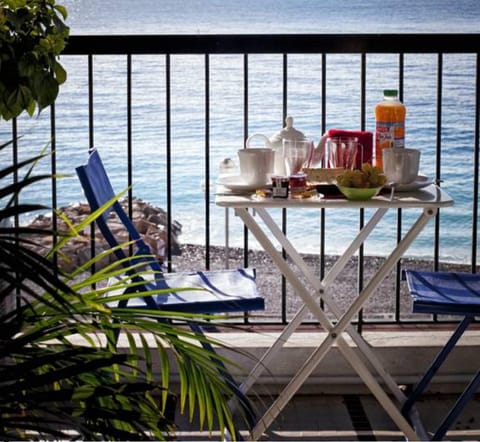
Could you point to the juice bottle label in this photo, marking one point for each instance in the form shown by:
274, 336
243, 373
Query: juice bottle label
388, 134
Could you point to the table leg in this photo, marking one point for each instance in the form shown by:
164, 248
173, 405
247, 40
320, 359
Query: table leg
329, 278
387, 266
322, 350
344, 322
320, 286
310, 364
268, 246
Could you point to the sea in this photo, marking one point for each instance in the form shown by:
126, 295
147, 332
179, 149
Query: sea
101, 17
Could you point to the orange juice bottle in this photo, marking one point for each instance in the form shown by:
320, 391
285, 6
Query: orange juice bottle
390, 124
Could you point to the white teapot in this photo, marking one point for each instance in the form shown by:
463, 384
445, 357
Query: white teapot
276, 143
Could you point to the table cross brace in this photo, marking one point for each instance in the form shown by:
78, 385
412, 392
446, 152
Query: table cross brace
344, 321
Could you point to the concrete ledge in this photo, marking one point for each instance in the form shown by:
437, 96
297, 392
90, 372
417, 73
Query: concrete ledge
406, 354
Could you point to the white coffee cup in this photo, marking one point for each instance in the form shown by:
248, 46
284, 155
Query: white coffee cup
401, 164
256, 165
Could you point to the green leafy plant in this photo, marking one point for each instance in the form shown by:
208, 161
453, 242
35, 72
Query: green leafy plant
61, 374
32, 35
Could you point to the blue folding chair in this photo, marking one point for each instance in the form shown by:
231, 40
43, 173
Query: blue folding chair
231, 290
446, 293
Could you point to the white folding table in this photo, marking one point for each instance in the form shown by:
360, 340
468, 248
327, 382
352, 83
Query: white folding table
366, 364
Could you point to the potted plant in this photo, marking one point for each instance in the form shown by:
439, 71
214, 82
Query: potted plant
61, 374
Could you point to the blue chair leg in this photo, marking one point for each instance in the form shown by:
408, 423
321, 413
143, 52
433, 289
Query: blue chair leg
467, 394
452, 416
438, 361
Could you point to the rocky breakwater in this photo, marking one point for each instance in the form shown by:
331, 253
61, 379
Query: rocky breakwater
150, 222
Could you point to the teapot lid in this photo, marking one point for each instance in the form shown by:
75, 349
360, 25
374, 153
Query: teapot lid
288, 132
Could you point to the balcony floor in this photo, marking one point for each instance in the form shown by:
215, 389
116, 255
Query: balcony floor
350, 418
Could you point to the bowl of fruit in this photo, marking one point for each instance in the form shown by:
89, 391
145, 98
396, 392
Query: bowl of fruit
361, 184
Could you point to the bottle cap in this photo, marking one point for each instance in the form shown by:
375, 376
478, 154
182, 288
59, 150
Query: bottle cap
390, 92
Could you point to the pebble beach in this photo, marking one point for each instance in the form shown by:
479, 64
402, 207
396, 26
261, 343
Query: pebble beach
280, 299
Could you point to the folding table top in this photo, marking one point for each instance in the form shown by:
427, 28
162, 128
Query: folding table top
430, 196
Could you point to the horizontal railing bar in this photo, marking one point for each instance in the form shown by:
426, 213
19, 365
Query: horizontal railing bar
277, 43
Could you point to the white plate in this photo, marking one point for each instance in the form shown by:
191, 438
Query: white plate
419, 183
236, 183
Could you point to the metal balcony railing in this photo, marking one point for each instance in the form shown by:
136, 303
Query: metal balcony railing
155, 99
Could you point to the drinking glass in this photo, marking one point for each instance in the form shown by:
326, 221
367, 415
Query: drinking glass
342, 152
297, 155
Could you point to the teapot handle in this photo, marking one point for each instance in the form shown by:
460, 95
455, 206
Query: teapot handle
259, 135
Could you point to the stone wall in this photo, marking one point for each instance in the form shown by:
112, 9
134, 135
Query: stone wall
150, 221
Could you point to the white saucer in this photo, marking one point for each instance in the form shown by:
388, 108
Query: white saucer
236, 183
419, 183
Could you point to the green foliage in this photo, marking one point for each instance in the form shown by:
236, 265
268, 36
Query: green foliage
32, 35
61, 375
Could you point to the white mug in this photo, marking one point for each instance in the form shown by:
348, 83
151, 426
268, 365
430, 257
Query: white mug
256, 166
279, 162
401, 164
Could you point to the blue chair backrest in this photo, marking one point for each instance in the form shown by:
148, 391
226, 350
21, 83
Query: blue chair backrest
99, 191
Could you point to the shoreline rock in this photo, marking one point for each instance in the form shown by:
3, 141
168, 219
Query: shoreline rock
150, 222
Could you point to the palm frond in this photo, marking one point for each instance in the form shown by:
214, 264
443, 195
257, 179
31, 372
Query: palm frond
62, 375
